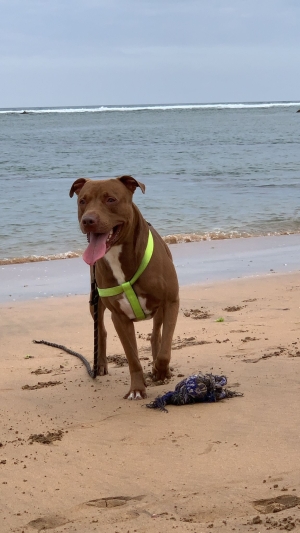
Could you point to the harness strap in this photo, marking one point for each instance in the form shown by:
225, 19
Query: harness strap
127, 286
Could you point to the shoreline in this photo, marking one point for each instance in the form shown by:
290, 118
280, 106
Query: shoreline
195, 262
170, 239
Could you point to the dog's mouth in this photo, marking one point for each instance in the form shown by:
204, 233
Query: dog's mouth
99, 244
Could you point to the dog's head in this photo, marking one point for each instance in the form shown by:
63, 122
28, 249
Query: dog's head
104, 212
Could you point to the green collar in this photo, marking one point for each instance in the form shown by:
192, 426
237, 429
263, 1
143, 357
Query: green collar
127, 286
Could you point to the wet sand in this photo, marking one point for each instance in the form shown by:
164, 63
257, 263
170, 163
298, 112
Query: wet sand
76, 457
196, 262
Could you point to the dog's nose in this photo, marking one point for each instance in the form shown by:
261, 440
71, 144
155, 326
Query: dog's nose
89, 220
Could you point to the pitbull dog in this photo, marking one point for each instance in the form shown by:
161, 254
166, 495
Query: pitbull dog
124, 248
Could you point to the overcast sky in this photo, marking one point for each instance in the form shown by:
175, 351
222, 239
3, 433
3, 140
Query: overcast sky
94, 52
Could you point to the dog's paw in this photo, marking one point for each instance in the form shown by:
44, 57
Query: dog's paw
161, 374
135, 395
102, 370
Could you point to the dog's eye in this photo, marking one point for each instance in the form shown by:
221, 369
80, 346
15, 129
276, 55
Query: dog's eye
110, 200
82, 201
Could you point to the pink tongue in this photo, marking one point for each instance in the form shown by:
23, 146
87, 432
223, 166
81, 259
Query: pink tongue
96, 248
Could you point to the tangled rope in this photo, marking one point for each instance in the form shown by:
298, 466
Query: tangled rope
196, 388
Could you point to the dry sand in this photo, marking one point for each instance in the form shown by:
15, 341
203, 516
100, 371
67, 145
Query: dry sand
76, 457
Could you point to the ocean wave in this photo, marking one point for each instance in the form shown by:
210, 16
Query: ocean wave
167, 107
220, 235
177, 238
38, 258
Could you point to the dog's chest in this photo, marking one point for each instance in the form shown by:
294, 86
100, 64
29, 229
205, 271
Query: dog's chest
113, 259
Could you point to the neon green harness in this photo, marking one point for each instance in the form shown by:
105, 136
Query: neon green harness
127, 286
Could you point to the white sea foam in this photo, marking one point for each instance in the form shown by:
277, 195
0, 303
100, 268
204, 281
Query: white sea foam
178, 238
169, 107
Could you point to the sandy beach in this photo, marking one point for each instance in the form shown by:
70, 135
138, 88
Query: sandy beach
76, 457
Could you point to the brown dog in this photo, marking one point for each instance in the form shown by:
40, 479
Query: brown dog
118, 236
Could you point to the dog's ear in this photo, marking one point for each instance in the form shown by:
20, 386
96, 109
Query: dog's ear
77, 186
132, 184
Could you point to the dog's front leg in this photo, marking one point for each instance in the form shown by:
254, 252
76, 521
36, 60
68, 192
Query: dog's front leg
102, 335
156, 333
161, 369
125, 329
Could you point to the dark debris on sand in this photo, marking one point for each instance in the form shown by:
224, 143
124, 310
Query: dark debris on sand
46, 439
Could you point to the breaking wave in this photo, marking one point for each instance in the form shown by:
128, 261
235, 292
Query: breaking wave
167, 107
38, 258
178, 238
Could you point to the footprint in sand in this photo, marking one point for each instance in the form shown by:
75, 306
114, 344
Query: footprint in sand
48, 522
53, 521
114, 501
277, 504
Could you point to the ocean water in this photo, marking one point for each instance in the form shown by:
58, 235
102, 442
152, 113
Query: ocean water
211, 171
